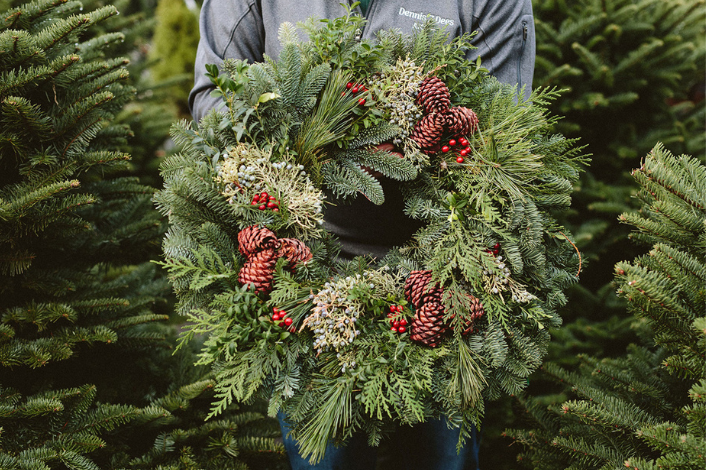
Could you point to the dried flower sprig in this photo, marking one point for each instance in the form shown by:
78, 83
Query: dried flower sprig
494, 283
248, 170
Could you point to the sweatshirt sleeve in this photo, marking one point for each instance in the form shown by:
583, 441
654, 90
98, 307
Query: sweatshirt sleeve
506, 40
229, 29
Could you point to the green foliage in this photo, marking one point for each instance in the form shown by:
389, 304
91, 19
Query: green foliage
88, 376
632, 70
645, 409
176, 37
301, 114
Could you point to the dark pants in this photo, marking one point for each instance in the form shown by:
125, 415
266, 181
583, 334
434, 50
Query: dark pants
426, 446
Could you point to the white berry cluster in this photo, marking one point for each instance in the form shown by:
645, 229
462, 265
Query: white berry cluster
334, 317
398, 86
247, 170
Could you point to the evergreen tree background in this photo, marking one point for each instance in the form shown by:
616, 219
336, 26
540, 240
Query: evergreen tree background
87, 376
645, 409
631, 69
174, 47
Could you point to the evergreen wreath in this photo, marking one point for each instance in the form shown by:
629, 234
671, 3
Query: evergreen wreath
456, 316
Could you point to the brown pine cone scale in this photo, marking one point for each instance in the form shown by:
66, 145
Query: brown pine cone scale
258, 270
433, 96
253, 239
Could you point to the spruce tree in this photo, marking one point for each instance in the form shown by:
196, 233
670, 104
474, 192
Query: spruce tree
87, 376
646, 409
174, 45
627, 67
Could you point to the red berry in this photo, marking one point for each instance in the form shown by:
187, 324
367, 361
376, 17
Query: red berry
282, 313
281, 324
452, 142
354, 89
401, 329
292, 329
254, 203
276, 209
468, 149
389, 315
403, 322
264, 194
288, 321
459, 160
463, 152
361, 101
495, 252
400, 308
271, 205
275, 310
463, 141
276, 317
445, 148
349, 85
393, 329
497, 245
272, 198
262, 207
362, 88
396, 324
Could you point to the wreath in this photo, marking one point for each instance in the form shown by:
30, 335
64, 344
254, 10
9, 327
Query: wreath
455, 316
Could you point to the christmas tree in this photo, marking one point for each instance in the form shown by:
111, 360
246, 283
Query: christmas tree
174, 45
628, 67
646, 409
88, 379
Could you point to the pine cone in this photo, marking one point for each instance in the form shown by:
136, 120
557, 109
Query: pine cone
428, 131
428, 326
253, 239
416, 285
295, 251
258, 270
461, 121
433, 96
477, 311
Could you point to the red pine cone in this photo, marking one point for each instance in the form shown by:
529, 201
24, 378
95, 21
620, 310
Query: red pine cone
433, 96
461, 121
258, 270
253, 239
428, 131
428, 326
295, 251
477, 311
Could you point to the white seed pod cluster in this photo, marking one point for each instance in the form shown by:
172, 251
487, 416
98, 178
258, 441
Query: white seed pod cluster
499, 281
399, 86
247, 171
334, 318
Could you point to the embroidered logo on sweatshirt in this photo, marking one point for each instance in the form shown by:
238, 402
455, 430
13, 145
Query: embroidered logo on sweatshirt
417, 15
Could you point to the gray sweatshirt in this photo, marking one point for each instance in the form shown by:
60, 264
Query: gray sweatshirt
247, 29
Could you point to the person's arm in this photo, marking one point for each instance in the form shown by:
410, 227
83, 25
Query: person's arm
506, 40
229, 29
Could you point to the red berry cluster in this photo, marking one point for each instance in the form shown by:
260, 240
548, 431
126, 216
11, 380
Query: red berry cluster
495, 250
283, 321
264, 201
356, 88
465, 149
398, 325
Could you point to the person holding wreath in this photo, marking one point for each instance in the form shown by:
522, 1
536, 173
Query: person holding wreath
247, 29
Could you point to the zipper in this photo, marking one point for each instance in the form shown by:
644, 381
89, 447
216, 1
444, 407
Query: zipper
359, 32
525, 32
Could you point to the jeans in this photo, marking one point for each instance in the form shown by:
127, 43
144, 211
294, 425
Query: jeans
426, 446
